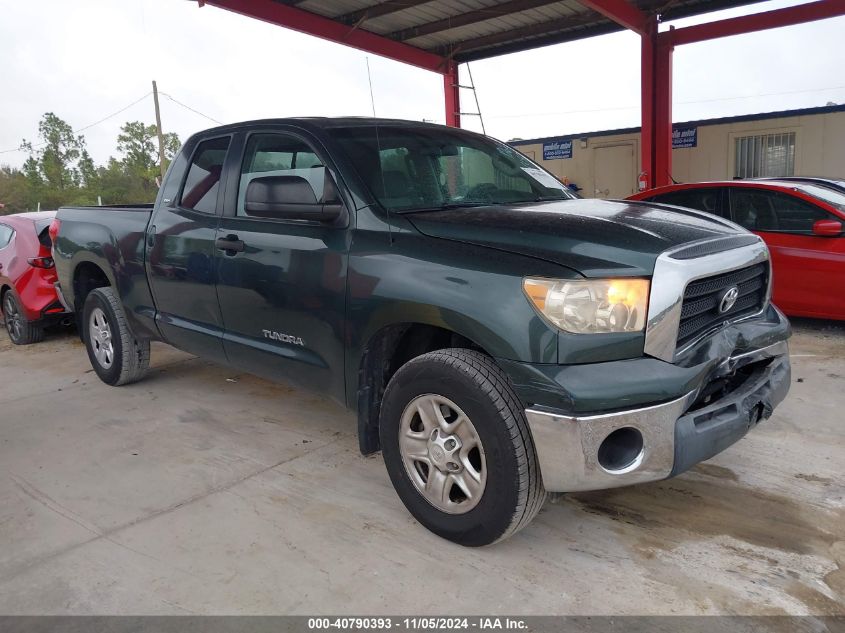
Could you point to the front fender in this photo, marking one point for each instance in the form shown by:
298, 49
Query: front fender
473, 291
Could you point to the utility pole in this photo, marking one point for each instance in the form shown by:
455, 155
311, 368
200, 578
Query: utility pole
160, 133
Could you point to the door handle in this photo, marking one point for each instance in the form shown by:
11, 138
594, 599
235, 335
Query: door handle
230, 244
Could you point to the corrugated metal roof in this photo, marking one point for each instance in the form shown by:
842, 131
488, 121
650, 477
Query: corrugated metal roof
475, 29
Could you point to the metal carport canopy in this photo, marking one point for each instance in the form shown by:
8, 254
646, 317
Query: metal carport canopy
437, 35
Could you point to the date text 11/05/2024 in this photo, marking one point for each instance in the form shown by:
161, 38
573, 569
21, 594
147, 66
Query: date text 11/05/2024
418, 623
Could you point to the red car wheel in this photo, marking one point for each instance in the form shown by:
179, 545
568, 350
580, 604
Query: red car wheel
21, 331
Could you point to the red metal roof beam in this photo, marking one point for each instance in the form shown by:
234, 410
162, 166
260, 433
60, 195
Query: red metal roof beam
621, 12
789, 16
312, 24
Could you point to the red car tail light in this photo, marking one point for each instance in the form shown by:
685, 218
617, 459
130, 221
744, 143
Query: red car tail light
40, 262
53, 231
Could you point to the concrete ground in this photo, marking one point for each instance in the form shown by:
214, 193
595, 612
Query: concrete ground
200, 490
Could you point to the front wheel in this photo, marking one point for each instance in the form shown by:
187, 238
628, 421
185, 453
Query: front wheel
117, 355
458, 449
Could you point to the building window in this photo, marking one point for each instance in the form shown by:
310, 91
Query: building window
765, 155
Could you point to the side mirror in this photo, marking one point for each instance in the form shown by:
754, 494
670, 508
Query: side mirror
291, 198
827, 228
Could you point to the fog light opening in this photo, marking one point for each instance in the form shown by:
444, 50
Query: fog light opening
621, 451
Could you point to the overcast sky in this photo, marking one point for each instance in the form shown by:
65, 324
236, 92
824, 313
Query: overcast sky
87, 59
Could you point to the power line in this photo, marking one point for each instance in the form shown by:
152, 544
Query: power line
87, 127
114, 114
164, 94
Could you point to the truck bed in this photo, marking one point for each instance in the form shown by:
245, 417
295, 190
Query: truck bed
110, 239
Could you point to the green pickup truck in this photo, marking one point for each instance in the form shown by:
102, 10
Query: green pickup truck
497, 336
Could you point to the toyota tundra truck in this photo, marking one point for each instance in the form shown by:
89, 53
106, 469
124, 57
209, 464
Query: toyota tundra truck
497, 336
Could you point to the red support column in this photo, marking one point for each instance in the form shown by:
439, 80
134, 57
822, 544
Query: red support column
452, 92
647, 92
656, 131
663, 111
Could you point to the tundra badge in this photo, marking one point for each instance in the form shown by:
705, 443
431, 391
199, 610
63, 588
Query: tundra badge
284, 338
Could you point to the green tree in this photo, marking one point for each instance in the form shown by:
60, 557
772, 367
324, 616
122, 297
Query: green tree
60, 171
139, 145
87, 170
54, 168
15, 194
60, 150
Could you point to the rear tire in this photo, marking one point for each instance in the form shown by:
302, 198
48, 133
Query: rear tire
434, 408
21, 331
116, 354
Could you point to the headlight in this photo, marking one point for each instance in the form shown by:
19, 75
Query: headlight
591, 306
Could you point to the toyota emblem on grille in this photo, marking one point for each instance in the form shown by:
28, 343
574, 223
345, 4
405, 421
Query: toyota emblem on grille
728, 299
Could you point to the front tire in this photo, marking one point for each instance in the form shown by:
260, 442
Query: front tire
458, 449
116, 354
21, 331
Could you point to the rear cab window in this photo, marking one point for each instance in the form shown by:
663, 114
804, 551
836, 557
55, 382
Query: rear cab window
202, 181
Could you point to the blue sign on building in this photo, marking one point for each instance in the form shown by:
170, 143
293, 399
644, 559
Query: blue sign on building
557, 149
684, 137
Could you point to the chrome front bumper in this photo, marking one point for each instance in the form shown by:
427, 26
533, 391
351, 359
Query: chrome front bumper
672, 439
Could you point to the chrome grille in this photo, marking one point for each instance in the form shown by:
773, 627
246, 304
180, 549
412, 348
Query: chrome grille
700, 307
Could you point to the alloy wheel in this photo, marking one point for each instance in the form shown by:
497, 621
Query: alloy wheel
13, 317
101, 338
442, 454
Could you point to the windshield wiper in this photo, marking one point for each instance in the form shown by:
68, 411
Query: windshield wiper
447, 206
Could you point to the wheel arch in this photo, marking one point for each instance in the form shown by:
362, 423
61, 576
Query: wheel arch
385, 352
87, 276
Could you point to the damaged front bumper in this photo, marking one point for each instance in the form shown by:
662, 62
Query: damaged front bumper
620, 448
662, 417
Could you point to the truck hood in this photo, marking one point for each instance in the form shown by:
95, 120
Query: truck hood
597, 238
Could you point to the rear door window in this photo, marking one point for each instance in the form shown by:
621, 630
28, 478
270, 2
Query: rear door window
699, 199
202, 183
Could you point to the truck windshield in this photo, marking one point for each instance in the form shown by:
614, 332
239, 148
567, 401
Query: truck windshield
422, 169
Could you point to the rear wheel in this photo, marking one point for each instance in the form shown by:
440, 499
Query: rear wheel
458, 449
21, 331
117, 355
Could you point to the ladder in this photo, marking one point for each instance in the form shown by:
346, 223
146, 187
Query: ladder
471, 86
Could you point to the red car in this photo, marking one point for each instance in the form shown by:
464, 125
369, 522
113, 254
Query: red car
27, 294
802, 224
